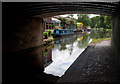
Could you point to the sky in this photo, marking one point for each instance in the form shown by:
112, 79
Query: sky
75, 15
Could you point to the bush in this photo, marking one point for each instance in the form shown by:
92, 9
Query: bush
45, 35
108, 29
101, 29
49, 32
94, 28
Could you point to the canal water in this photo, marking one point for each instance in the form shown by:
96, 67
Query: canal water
60, 56
64, 52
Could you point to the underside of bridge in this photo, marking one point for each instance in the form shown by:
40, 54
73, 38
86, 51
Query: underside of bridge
48, 9
23, 26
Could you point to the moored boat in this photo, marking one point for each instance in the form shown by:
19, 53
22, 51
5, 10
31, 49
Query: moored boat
61, 32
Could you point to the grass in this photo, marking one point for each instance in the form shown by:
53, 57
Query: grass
98, 40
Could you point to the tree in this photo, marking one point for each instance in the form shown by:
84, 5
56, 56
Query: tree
62, 19
95, 22
84, 18
108, 22
101, 21
70, 16
72, 19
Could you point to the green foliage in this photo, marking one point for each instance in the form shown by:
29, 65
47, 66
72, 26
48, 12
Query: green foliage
45, 52
95, 21
63, 20
108, 29
52, 38
108, 22
101, 21
84, 41
45, 33
68, 20
71, 21
94, 28
70, 16
49, 31
101, 29
99, 34
98, 40
84, 18
48, 34
50, 25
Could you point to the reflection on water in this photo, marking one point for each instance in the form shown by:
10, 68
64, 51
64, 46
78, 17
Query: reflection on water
47, 53
100, 34
65, 52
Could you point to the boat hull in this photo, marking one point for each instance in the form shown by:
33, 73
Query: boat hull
62, 32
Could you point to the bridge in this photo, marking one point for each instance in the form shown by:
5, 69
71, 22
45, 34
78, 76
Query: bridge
48, 9
23, 24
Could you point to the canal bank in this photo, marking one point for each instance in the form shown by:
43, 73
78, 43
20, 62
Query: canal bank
94, 65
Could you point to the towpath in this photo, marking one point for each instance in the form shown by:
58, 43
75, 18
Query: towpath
94, 65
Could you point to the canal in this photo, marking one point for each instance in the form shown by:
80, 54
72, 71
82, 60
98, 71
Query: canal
50, 62
58, 57
64, 52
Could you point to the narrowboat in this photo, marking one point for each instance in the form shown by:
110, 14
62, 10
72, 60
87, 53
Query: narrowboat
62, 32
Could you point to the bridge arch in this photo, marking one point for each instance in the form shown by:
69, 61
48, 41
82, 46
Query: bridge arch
48, 9
23, 25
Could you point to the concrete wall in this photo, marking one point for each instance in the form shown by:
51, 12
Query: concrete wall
116, 36
22, 33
